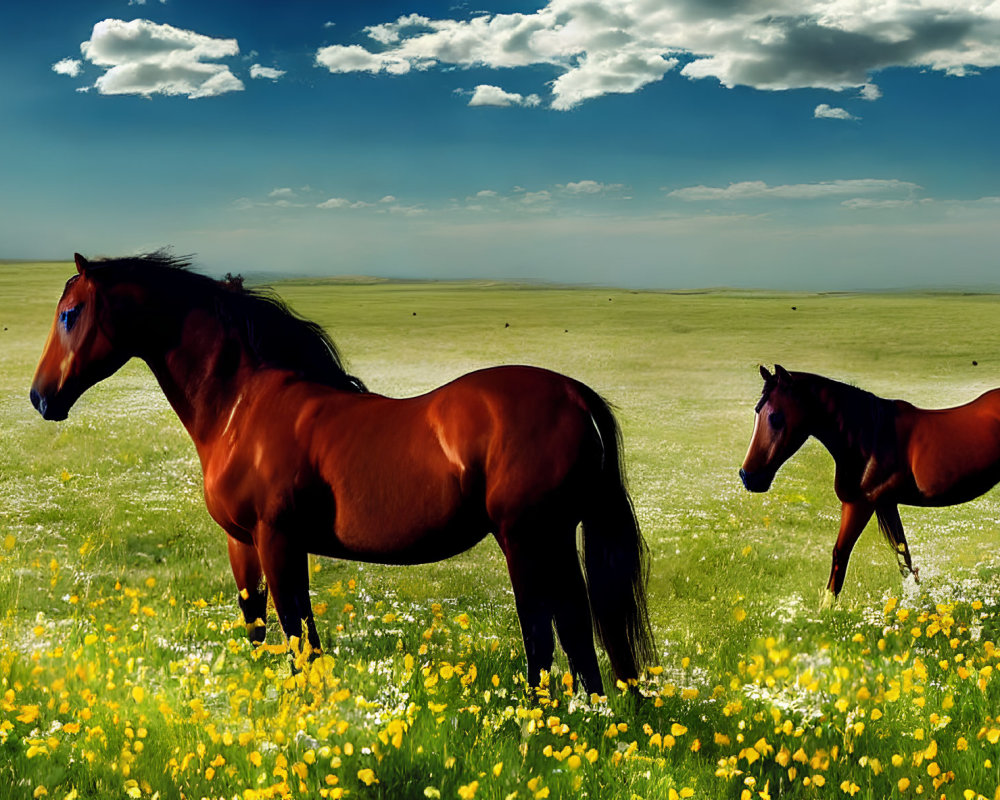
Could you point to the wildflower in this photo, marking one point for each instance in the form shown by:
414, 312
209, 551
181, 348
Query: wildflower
432, 793
903, 784
468, 791
367, 776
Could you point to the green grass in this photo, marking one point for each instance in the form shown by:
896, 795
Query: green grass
118, 612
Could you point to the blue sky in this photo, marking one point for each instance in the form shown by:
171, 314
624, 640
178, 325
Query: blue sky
650, 143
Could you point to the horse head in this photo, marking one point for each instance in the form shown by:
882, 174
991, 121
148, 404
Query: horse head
81, 349
780, 428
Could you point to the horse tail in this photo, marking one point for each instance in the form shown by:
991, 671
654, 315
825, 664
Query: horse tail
892, 528
615, 555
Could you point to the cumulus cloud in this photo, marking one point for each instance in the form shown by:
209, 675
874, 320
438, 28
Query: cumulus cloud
599, 47
590, 187
258, 71
748, 190
824, 111
68, 66
355, 58
148, 58
871, 91
486, 95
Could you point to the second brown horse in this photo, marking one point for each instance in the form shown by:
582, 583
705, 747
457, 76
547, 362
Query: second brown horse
887, 452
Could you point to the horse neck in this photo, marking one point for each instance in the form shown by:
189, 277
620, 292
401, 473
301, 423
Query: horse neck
846, 420
199, 367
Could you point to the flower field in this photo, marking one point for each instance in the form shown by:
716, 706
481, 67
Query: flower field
125, 670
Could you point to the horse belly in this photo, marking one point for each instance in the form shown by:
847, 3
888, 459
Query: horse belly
958, 491
401, 518
955, 467
420, 542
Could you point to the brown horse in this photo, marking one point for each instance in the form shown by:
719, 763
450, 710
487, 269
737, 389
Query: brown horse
298, 457
887, 452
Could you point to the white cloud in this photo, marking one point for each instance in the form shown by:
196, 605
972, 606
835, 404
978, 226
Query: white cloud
603, 46
68, 66
343, 202
871, 91
258, 71
539, 198
591, 187
797, 191
486, 95
355, 58
282, 192
147, 58
868, 202
824, 111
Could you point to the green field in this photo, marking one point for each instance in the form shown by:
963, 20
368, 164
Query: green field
124, 669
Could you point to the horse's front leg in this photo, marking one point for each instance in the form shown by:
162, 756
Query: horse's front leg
251, 586
853, 518
286, 568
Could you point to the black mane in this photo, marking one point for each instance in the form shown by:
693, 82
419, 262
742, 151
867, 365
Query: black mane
867, 419
274, 334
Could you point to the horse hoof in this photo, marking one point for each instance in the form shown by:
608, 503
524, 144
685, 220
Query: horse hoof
829, 600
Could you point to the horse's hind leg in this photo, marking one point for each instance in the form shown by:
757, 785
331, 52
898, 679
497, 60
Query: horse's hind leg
574, 623
251, 587
548, 585
287, 571
528, 573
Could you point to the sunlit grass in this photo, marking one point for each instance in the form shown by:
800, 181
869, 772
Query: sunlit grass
124, 671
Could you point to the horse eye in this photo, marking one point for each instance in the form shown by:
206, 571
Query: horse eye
69, 316
777, 420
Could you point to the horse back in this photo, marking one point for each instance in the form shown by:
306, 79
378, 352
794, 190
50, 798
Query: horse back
433, 474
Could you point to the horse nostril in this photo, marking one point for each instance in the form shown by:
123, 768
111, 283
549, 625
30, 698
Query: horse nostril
40, 403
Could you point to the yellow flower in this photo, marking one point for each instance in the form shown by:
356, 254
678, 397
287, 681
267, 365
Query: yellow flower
739, 614
367, 776
8, 544
497, 769
903, 784
676, 729
468, 791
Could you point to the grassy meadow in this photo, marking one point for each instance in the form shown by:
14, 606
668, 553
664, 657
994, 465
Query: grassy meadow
124, 665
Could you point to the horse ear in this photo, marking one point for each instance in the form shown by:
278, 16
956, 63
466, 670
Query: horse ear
765, 374
782, 374
81, 263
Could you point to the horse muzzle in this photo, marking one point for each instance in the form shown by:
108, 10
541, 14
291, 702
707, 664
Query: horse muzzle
48, 409
756, 481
